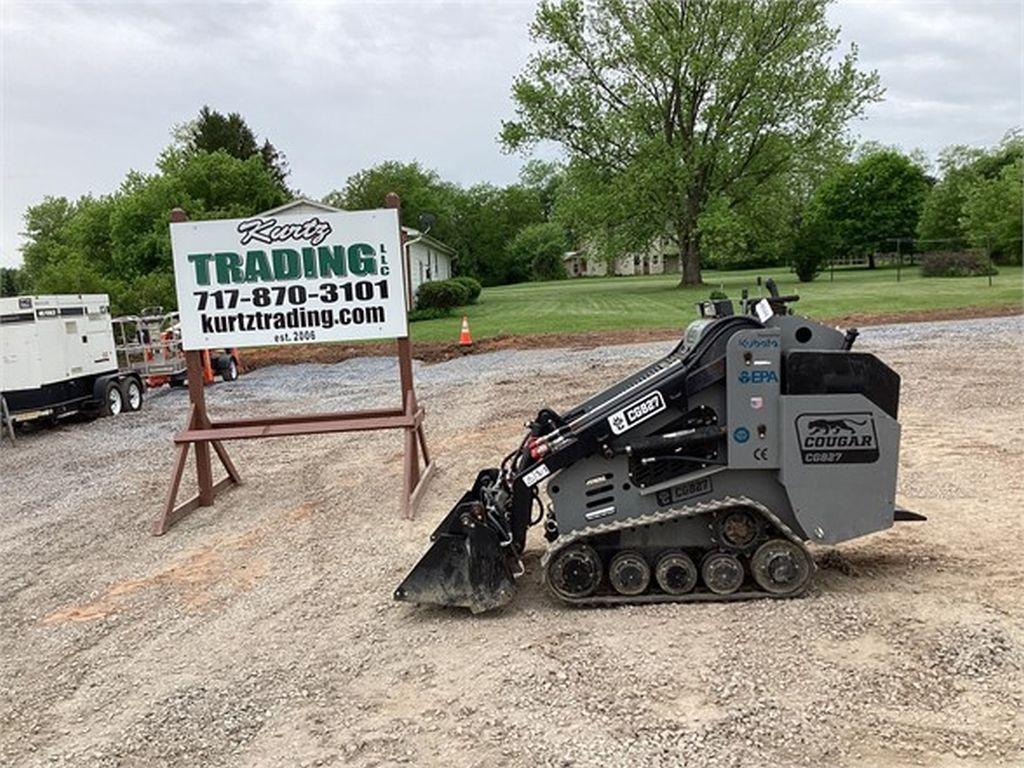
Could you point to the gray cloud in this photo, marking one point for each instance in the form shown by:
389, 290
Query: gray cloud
90, 91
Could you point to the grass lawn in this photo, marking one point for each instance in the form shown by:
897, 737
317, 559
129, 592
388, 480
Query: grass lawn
629, 303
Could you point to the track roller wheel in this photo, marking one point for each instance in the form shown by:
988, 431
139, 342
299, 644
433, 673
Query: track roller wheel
629, 573
676, 574
722, 573
738, 528
780, 567
575, 572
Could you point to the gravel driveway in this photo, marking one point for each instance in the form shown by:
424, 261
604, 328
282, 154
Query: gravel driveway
261, 631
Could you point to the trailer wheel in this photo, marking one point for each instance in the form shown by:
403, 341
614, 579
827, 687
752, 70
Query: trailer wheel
113, 400
132, 391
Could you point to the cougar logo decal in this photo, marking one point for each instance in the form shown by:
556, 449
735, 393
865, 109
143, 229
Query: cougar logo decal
837, 438
833, 426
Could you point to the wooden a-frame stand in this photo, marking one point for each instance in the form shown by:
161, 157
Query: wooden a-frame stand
201, 432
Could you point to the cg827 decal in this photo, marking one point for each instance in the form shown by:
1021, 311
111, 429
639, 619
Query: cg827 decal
837, 438
634, 413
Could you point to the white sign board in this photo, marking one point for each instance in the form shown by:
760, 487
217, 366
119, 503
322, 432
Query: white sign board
289, 279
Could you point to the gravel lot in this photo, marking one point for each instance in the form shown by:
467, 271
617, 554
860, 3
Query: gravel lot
261, 631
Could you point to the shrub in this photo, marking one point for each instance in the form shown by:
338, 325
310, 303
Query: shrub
536, 252
548, 265
807, 264
471, 284
442, 294
717, 295
955, 264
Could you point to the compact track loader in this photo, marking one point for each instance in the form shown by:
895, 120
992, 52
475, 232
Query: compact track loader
700, 477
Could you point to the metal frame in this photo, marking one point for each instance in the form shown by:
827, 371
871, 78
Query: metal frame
154, 357
6, 421
201, 432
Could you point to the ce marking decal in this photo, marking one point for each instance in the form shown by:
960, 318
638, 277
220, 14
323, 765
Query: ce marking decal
761, 454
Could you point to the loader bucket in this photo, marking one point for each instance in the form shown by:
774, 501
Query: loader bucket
465, 566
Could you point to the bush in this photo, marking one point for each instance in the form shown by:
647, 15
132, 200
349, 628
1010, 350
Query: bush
717, 295
442, 294
536, 253
548, 265
813, 240
807, 264
471, 284
956, 264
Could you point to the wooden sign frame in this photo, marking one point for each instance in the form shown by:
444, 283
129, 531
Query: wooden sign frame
202, 433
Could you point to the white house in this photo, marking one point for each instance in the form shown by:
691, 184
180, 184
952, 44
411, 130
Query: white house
660, 259
429, 259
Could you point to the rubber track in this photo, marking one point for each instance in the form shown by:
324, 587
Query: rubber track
667, 515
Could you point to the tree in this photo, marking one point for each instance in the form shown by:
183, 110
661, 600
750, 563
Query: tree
10, 281
971, 173
487, 218
537, 252
865, 203
992, 213
940, 214
663, 106
213, 131
545, 178
46, 233
120, 243
421, 189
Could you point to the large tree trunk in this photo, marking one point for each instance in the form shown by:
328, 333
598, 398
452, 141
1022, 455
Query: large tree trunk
689, 256
689, 238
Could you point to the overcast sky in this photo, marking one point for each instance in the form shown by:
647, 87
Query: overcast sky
91, 90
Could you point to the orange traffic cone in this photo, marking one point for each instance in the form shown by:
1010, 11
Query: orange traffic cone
465, 340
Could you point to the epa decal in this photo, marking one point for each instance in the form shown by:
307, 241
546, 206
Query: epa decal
758, 377
837, 438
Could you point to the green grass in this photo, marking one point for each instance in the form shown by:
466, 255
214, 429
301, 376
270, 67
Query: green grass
630, 303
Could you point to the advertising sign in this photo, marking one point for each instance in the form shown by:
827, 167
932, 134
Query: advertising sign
289, 279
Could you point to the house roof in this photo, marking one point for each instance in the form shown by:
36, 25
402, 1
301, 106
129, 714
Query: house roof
410, 232
302, 201
433, 242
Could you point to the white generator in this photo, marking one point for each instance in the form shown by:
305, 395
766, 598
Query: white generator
57, 357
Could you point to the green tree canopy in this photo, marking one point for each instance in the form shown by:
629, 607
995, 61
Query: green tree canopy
421, 189
120, 243
478, 222
865, 203
487, 218
537, 251
664, 106
213, 131
974, 202
10, 282
992, 212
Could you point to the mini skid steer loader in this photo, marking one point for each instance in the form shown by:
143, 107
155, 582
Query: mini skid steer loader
700, 477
